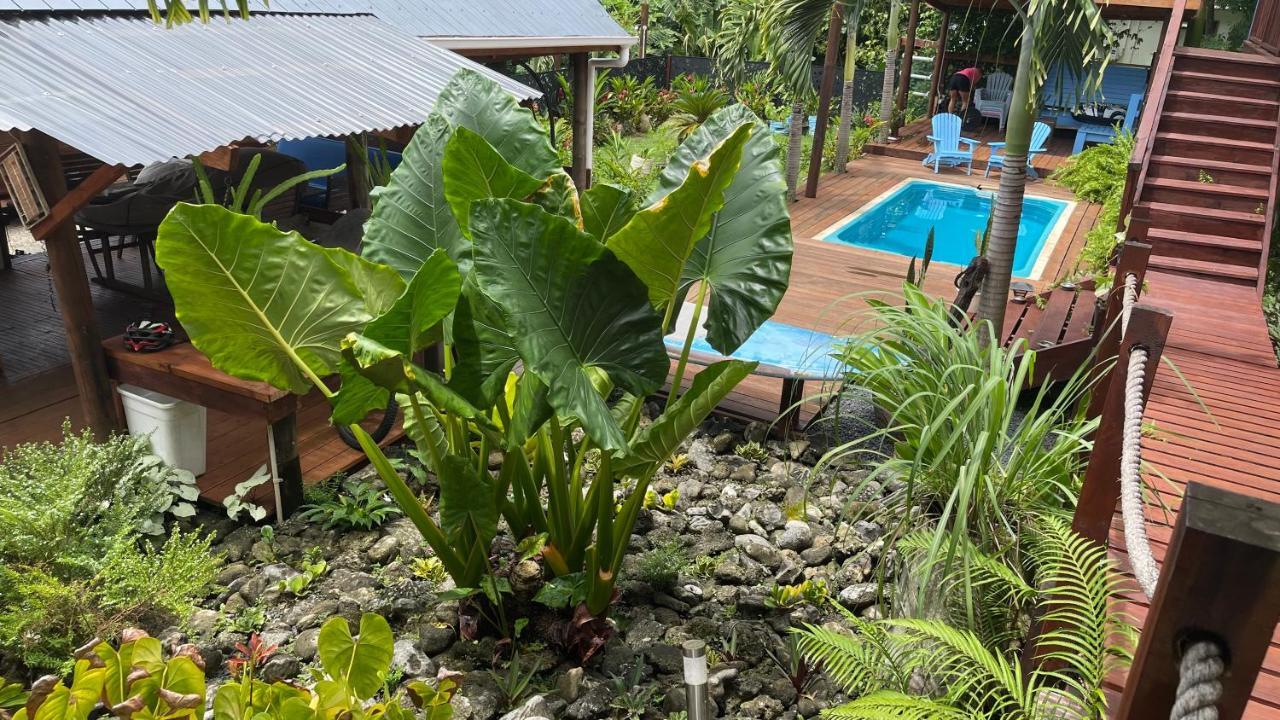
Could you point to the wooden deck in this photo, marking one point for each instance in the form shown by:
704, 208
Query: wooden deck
1219, 342
913, 144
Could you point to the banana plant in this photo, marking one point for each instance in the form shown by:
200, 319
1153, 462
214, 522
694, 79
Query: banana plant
482, 243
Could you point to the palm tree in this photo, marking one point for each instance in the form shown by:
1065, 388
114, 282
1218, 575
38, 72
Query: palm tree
750, 28
890, 71
1070, 37
851, 19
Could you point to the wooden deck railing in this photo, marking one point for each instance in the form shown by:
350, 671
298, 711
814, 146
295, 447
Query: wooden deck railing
1264, 33
1152, 108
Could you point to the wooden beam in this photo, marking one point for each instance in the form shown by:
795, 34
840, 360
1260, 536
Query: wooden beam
939, 61
1148, 327
904, 85
583, 100
1220, 580
65, 209
824, 102
1134, 255
66, 268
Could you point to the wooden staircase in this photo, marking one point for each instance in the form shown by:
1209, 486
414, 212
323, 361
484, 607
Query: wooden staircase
1206, 196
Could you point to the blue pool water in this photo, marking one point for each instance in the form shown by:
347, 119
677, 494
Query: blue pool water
805, 351
900, 222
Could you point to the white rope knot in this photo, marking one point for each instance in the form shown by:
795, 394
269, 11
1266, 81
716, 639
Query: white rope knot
1199, 682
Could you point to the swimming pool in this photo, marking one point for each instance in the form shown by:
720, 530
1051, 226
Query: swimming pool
899, 221
806, 352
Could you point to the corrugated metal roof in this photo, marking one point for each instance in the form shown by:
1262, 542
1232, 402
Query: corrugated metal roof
425, 18
499, 18
128, 91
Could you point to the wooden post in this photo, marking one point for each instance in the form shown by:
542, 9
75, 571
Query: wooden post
939, 62
789, 406
66, 267
284, 438
583, 99
908, 54
1220, 580
357, 172
1148, 328
1133, 260
824, 102
644, 29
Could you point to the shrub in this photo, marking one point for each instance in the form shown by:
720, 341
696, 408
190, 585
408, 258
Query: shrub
359, 506
980, 462
661, 566
1098, 175
71, 563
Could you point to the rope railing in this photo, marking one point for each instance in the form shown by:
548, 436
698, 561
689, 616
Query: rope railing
1200, 668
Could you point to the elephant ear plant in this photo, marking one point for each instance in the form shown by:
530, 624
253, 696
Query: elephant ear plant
482, 243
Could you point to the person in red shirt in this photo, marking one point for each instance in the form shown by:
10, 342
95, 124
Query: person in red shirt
960, 88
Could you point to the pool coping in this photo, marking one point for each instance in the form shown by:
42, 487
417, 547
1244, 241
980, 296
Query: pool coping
1042, 260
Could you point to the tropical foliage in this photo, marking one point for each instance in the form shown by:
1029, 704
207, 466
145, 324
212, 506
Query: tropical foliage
1098, 175
955, 669
482, 242
72, 564
135, 679
980, 460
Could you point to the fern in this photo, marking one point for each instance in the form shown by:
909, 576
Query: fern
913, 668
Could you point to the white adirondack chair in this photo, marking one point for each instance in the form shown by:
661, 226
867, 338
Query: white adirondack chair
992, 100
946, 141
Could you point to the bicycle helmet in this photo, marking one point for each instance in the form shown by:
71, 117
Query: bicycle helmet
147, 336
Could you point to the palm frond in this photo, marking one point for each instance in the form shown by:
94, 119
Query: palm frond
799, 23
176, 12
1072, 40
859, 663
897, 706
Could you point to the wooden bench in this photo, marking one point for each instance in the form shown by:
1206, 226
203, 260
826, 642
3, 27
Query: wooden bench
183, 372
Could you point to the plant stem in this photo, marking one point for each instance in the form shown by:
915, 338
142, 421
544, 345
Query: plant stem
678, 381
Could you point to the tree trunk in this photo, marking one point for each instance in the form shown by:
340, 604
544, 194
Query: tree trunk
846, 96
795, 148
1007, 210
890, 71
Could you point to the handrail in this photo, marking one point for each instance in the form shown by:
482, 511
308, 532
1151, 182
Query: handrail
1264, 32
1162, 71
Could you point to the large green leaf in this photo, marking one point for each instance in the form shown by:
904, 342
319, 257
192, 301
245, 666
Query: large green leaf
746, 256
409, 325
380, 284
485, 350
605, 209
391, 369
362, 662
411, 216
473, 101
261, 303
656, 442
573, 308
474, 170
657, 241
559, 196
468, 511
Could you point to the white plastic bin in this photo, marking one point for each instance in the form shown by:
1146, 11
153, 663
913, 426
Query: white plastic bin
177, 428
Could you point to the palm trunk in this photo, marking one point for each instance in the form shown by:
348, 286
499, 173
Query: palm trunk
1007, 210
795, 148
846, 96
890, 72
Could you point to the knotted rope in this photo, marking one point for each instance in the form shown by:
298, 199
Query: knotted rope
1131, 504
1199, 684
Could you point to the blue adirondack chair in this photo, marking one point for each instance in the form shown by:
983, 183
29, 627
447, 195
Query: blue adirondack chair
1107, 133
946, 141
316, 154
1039, 138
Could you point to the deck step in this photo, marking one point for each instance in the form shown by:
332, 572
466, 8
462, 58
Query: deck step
1159, 208
1220, 165
1202, 267
1216, 125
1225, 79
1264, 88
1242, 65
1207, 241
1209, 140
1227, 56
1208, 188
1225, 100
